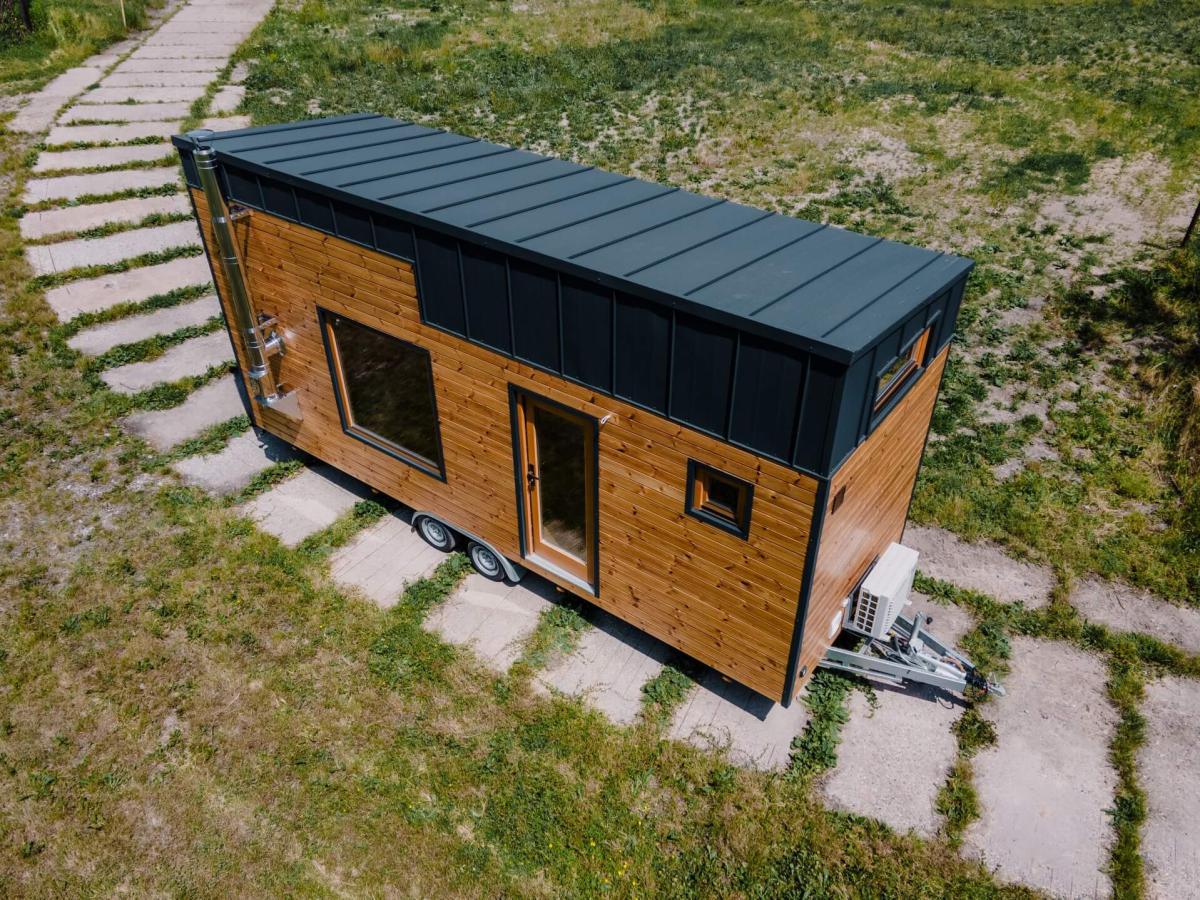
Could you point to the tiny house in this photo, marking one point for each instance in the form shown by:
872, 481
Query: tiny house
705, 418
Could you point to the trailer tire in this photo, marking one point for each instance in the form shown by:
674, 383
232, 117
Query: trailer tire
486, 562
436, 534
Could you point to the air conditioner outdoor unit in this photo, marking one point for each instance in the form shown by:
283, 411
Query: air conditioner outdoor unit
883, 593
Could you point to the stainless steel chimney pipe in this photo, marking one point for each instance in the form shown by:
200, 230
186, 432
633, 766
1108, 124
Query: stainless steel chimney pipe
256, 332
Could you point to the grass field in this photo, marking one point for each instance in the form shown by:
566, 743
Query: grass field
188, 708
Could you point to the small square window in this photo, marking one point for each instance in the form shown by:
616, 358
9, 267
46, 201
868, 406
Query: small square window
719, 499
900, 370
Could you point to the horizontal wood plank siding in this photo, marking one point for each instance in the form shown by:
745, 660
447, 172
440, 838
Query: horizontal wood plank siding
726, 601
878, 478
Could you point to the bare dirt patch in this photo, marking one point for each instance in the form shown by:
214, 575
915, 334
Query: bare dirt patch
982, 566
1125, 608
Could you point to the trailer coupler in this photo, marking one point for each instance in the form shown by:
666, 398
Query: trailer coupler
909, 654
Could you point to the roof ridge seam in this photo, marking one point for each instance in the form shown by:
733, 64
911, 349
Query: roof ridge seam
857, 253
599, 215
486, 196
367, 162
411, 137
310, 141
487, 174
295, 126
751, 262
691, 247
517, 212
634, 234
915, 272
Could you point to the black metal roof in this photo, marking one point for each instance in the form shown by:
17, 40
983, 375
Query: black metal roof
818, 286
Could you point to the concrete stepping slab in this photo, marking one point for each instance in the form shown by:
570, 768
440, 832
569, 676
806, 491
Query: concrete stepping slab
608, 668
101, 338
99, 157
227, 99
72, 187
226, 123
94, 215
1046, 785
48, 259
722, 714
1124, 608
193, 64
493, 618
382, 559
169, 78
893, 759
160, 94
39, 113
105, 291
239, 74
216, 402
309, 502
124, 112
110, 134
236, 465
194, 356
1169, 772
177, 51
982, 567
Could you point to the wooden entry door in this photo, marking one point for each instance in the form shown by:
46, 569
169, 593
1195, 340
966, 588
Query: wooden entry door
558, 486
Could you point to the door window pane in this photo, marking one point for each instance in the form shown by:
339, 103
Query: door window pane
562, 468
386, 387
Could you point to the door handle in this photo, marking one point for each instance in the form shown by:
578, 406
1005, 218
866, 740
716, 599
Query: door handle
530, 476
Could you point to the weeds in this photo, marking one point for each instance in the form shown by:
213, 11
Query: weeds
664, 693
815, 749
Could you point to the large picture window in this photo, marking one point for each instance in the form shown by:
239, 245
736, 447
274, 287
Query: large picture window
385, 391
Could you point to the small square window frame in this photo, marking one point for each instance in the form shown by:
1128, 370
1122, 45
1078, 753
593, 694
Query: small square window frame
739, 523
916, 351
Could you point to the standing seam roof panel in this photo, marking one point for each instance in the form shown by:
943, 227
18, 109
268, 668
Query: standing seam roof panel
793, 279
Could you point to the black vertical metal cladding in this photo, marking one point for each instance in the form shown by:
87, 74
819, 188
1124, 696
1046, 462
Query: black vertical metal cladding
353, 223
441, 287
315, 210
587, 333
814, 437
642, 352
243, 187
485, 283
278, 199
767, 389
394, 237
701, 373
535, 314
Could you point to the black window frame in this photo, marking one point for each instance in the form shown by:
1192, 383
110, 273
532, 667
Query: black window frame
738, 525
434, 468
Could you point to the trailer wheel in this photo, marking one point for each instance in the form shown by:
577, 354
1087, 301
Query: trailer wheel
436, 534
486, 562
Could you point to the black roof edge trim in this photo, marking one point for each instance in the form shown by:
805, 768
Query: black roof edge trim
750, 326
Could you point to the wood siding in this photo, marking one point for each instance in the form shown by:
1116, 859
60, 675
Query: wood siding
726, 601
878, 478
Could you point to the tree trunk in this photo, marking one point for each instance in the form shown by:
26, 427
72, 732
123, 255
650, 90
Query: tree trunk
26, 15
1187, 235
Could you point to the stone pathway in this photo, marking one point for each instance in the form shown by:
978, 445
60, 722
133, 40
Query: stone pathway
608, 668
1123, 608
234, 467
1046, 785
216, 402
1169, 771
982, 567
381, 560
306, 504
493, 618
100, 338
721, 714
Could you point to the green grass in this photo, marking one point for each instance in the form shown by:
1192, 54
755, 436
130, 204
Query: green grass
194, 709
65, 33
